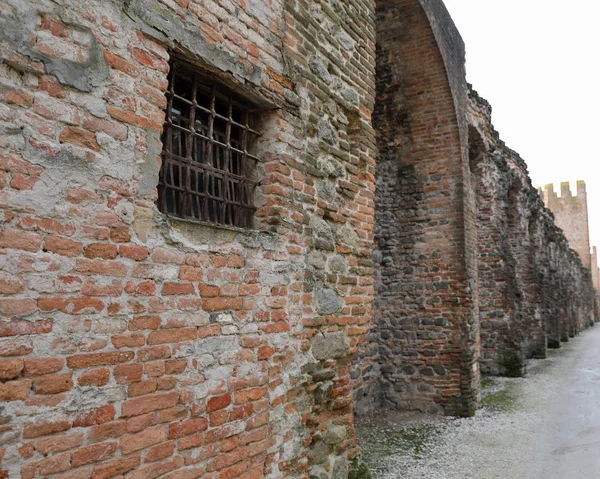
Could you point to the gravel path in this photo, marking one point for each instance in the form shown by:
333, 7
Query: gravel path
543, 426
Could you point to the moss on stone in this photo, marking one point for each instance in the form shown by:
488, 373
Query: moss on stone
502, 400
358, 469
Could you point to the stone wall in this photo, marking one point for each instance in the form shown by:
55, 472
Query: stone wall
136, 345
595, 269
422, 352
533, 289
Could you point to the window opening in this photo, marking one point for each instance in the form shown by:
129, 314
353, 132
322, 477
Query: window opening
207, 157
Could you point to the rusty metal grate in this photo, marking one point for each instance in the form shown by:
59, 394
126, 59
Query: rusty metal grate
207, 164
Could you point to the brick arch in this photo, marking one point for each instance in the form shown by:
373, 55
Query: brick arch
427, 351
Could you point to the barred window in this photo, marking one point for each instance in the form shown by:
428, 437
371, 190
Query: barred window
208, 164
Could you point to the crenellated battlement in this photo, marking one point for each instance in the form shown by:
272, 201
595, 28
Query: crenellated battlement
571, 214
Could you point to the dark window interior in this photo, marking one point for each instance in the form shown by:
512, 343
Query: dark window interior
207, 160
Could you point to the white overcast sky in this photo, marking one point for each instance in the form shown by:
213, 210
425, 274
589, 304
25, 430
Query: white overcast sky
538, 64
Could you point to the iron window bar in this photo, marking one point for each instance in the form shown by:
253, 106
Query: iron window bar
206, 162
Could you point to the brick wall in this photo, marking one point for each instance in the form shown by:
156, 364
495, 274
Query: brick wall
533, 289
134, 344
595, 269
425, 328
571, 215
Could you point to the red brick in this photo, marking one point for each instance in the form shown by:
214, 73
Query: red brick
154, 402
127, 373
248, 395
177, 289
208, 291
100, 267
139, 423
120, 235
144, 322
59, 443
190, 442
38, 429
97, 377
93, 453
236, 261
153, 353
150, 60
101, 250
187, 427
21, 327
15, 390
143, 288
10, 368
53, 384
71, 305
112, 128
18, 239
116, 467
39, 367
141, 388
137, 253
80, 361
79, 137
218, 402
189, 273
134, 442
128, 340
108, 430
17, 96
47, 225
23, 182
62, 246
11, 284
160, 451
172, 335
50, 465
26, 450
121, 64
222, 304
226, 460
94, 417
17, 307
51, 86
169, 256
16, 347
175, 366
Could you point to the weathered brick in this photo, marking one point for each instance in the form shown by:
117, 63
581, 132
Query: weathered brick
10, 368
187, 427
96, 377
62, 246
15, 390
50, 465
53, 384
59, 443
33, 430
41, 366
101, 250
154, 402
134, 442
218, 402
95, 416
21, 327
172, 335
93, 453
80, 361
116, 467
135, 252
79, 137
